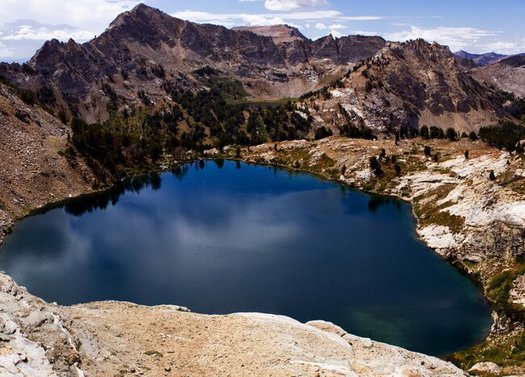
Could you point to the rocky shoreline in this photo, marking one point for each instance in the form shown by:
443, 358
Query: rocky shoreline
472, 221
475, 223
119, 338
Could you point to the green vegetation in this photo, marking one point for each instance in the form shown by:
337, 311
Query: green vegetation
354, 132
375, 166
322, 132
505, 351
140, 137
451, 133
429, 213
506, 135
129, 139
222, 110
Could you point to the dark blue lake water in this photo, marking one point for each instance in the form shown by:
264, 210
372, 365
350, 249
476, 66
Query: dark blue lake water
222, 237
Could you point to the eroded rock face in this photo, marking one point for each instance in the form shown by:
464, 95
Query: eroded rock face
486, 368
407, 85
35, 340
34, 169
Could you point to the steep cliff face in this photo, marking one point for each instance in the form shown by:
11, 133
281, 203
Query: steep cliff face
144, 48
409, 85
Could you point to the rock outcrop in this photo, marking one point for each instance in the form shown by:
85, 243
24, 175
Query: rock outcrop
408, 85
35, 340
113, 338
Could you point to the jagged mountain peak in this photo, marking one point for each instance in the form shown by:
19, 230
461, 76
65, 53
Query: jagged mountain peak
140, 10
145, 47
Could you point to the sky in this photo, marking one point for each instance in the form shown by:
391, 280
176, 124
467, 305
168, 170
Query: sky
475, 26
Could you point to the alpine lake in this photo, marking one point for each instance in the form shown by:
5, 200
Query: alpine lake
223, 236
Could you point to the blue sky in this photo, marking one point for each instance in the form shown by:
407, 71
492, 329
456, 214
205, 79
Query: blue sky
475, 26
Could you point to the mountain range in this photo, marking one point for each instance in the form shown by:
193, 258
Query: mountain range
380, 85
480, 59
506, 74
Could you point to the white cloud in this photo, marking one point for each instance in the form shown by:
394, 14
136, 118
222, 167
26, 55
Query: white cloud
5, 51
322, 26
84, 18
231, 19
361, 18
457, 38
287, 5
43, 33
92, 15
503, 47
364, 32
336, 33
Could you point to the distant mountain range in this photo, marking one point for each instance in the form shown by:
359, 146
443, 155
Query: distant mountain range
506, 74
481, 59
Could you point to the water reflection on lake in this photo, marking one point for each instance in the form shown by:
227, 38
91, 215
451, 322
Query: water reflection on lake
223, 237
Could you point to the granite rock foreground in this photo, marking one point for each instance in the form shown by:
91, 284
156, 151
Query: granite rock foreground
120, 338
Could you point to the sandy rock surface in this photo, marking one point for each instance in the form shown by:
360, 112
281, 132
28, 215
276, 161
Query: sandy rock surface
164, 341
120, 338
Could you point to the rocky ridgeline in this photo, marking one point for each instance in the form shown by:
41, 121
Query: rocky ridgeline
409, 85
144, 48
34, 339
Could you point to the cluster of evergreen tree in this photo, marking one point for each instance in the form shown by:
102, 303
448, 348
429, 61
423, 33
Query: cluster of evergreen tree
231, 120
128, 139
276, 123
506, 135
215, 117
354, 132
218, 109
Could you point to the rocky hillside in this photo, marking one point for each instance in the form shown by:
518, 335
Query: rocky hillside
408, 85
37, 167
144, 49
507, 74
